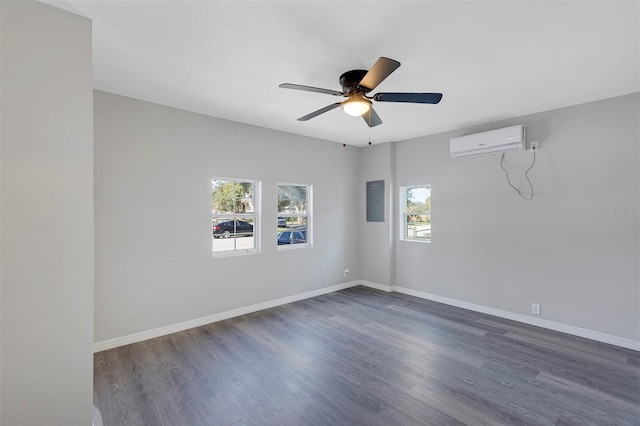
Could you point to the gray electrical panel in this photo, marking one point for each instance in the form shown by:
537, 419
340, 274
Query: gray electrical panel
375, 201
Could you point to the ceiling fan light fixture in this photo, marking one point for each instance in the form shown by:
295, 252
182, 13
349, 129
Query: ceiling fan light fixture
356, 105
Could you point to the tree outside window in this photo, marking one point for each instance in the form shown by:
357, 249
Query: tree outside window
415, 213
234, 216
294, 215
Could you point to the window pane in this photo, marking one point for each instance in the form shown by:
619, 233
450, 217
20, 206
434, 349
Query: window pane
284, 206
284, 237
244, 227
223, 227
297, 223
299, 199
415, 206
284, 192
418, 226
222, 196
218, 183
233, 209
232, 197
292, 199
293, 214
221, 205
300, 234
296, 234
419, 200
244, 205
284, 199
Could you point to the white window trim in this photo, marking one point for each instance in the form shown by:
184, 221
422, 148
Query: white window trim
257, 204
403, 216
308, 215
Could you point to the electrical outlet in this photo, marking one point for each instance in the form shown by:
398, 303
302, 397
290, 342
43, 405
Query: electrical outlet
535, 308
346, 272
533, 145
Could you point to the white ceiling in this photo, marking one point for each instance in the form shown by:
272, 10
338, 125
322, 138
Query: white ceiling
491, 60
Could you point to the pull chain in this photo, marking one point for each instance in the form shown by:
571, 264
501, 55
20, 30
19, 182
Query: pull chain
344, 130
369, 123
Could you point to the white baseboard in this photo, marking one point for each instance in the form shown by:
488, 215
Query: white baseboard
377, 286
163, 331
539, 322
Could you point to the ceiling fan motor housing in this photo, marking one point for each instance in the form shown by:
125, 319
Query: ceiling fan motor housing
350, 81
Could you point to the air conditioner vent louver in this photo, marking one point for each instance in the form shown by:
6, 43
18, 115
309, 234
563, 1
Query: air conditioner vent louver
492, 142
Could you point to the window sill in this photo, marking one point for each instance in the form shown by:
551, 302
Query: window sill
416, 240
218, 254
285, 247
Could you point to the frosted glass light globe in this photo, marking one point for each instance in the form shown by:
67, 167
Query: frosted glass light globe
356, 105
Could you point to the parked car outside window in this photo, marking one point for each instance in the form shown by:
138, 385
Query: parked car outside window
292, 237
228, 228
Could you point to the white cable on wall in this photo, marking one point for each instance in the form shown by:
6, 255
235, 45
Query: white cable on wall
526, 195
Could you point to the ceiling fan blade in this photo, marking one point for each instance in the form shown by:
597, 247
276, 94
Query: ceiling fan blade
320, 111
414, 98
378, 72
372, 118
311, 89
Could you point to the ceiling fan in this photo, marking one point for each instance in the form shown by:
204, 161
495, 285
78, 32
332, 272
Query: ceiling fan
356, 84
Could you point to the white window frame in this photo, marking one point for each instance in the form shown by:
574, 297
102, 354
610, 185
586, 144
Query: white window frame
308, 216
257, 192
403, 232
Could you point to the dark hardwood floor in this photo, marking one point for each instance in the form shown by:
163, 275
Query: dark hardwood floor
366, 357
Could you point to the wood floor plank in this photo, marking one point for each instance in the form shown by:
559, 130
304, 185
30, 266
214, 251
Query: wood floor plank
366, 357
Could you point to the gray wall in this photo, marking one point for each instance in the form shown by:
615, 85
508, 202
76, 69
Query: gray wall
47, 216
562, 249
378, 239
490, 247
153, 170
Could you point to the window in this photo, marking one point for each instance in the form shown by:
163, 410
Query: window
294, 215
234, 214
415, 213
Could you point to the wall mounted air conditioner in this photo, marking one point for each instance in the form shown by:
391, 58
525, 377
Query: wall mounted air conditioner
494, 141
